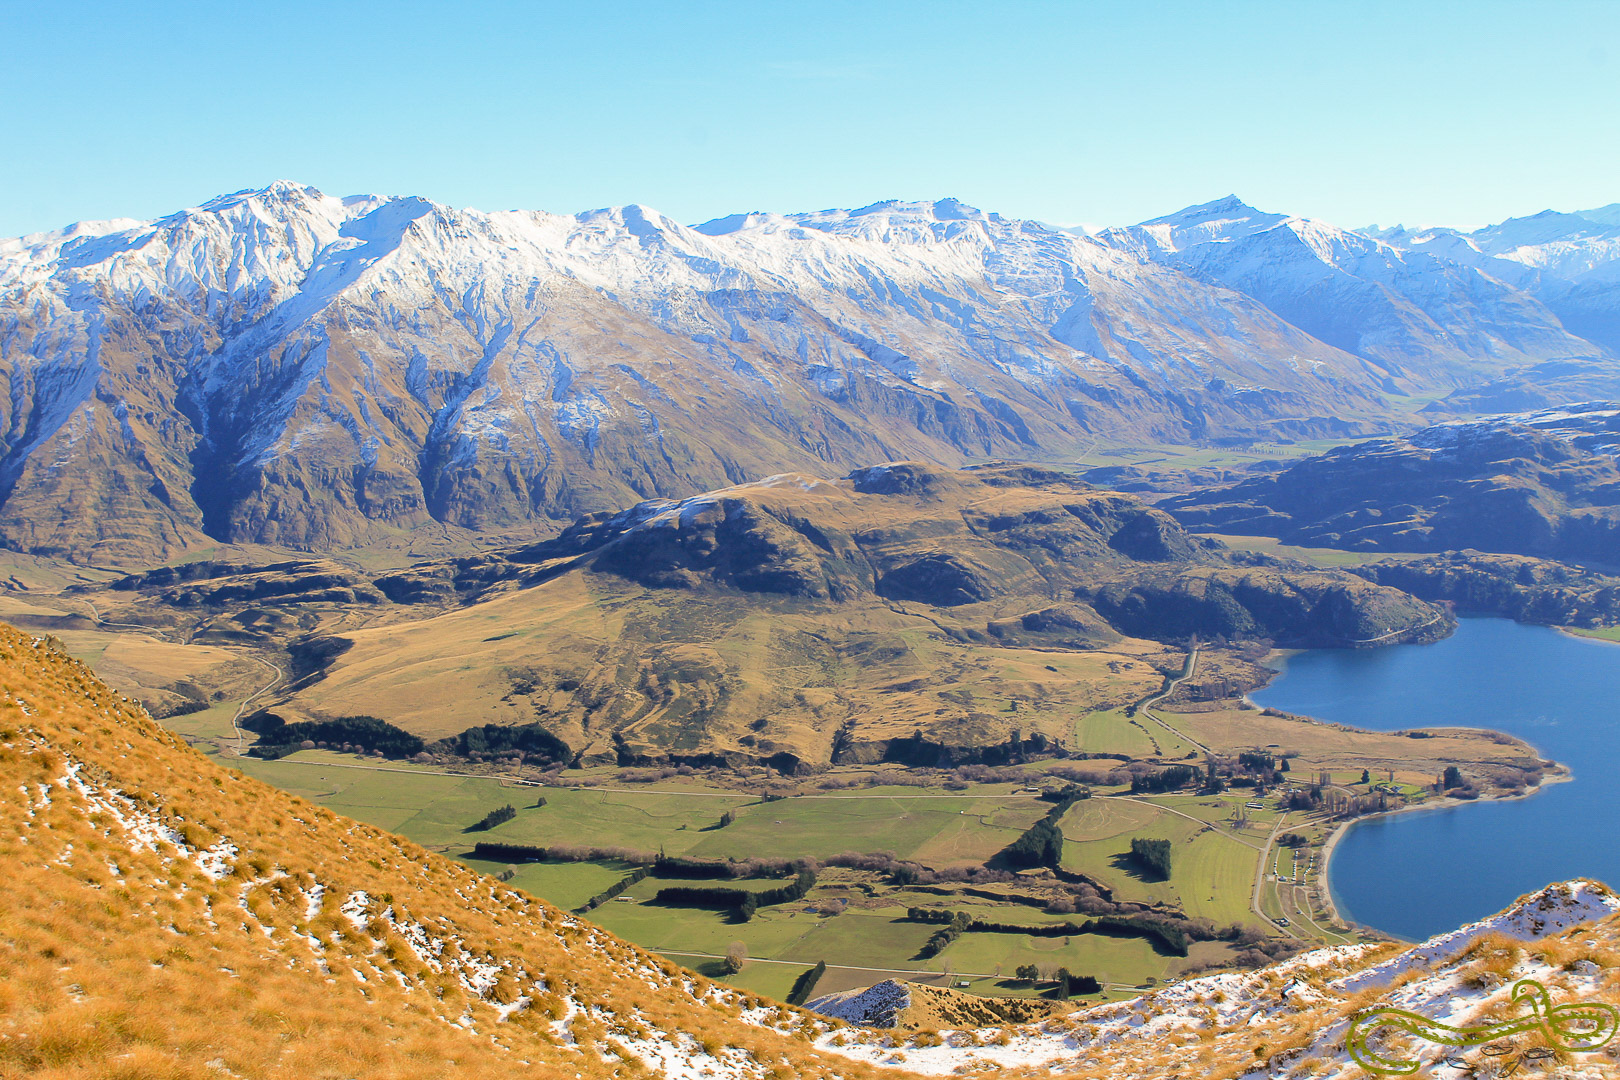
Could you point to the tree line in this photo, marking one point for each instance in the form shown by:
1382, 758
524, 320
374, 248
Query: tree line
1165, 932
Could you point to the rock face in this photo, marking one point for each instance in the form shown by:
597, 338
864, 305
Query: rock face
1543, 484
289, 368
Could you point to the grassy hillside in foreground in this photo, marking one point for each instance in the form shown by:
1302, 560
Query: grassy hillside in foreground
164, 917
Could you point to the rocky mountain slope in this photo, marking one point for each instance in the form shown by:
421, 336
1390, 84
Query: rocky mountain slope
290, 368
1543, 484
1570, 262
885, 616
1423, 319
163, 916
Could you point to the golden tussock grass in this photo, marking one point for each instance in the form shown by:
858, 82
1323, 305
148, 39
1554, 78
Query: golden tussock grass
121, 961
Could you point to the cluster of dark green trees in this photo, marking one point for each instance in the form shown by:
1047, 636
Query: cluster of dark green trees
1067, 983
639, 874
493, 818
1042, 843
1152, 856
956, 925
277, 738
1176, 776
742, 902
670, 866
1165, 932
530, 740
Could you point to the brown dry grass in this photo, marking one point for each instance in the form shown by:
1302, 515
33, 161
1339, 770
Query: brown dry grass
118, 962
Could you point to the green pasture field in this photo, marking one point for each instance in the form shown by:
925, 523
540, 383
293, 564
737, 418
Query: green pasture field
1211, 872
1112, 959
1218, 810
568, 885
1112, 732
936, 831
435, 810
1603, 633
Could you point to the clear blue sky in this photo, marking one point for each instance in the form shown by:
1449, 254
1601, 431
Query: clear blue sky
1418, 111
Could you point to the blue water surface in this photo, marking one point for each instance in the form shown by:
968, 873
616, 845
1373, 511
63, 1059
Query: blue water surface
1418, 874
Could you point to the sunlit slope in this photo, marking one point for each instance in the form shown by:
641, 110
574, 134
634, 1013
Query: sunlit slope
163, 917
809, 621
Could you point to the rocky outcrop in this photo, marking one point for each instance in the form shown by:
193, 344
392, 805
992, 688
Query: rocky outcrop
1516, 587
1295, 609
1543, 484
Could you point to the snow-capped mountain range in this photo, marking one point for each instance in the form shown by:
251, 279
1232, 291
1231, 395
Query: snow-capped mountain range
1570, 262
287, 367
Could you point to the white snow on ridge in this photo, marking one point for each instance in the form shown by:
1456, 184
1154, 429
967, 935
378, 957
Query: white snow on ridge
875, 1006
1139, 1035
1541, 914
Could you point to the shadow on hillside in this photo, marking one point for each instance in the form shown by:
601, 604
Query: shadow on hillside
712, 969
1125, 862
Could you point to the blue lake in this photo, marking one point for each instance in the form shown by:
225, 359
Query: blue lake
1422, 873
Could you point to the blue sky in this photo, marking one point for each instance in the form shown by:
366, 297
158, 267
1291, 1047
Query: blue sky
1420, 112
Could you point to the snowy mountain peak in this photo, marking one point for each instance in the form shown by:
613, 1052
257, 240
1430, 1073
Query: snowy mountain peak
895, 221
1603, 215
294, 368
1226, 208
733, 223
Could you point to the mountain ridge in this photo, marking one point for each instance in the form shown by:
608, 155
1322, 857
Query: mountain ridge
284, 367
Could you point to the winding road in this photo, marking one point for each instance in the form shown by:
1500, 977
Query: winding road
1145, 708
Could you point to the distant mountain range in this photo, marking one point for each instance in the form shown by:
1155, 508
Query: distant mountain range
289, 368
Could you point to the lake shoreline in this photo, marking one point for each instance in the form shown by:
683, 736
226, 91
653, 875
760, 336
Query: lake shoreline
1277, 661
1559, 774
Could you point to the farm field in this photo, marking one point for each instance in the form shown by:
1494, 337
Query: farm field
940, 829
930, 825
1316, 556
1211, 871
568, 885
1112, 732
